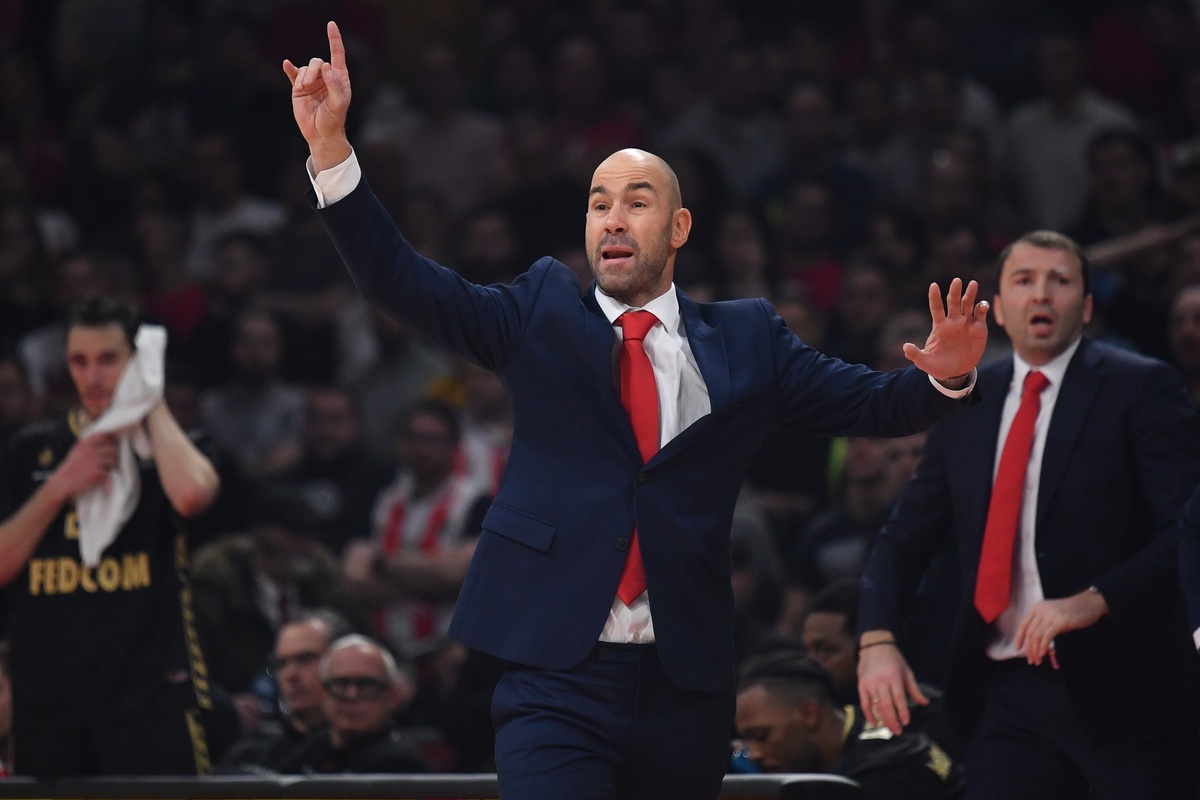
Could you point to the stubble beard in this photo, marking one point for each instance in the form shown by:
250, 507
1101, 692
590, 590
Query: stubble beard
648, 267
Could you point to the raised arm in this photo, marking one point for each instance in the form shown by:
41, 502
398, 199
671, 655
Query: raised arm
187, 476
958, 337
320, 100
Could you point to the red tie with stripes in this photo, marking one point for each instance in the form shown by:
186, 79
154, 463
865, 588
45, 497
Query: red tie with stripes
639, 395
993, 585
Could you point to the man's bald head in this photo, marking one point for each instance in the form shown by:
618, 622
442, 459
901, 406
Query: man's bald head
633, 155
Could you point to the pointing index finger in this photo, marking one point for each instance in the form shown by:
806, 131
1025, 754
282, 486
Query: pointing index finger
337, 50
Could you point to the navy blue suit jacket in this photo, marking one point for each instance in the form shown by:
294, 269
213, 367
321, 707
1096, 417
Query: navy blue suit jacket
1118, 464
552, 547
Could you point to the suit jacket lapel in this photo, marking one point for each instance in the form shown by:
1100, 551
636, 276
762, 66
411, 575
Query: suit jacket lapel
1081, 383
601, 354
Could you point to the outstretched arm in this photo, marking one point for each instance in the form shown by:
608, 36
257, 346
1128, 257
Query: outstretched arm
958, 337
320, 100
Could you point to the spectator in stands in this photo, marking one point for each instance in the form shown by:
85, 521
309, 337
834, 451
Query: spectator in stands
16, 401
256, 416
838, 541
336, 478
364, 689
487, 426
790, 722
224, 204
447, 145
295, 666
1043, 147
246, 586
395, 373
425, 527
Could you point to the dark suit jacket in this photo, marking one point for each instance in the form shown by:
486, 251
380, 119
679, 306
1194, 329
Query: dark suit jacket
1118, 465
553, 543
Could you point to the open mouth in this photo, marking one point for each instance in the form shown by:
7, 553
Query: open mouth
1041, 322
615, 253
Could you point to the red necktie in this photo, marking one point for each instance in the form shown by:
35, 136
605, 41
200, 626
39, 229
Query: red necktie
639, 395
993, 586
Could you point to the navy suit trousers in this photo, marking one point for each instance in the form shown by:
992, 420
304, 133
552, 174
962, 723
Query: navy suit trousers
611, 728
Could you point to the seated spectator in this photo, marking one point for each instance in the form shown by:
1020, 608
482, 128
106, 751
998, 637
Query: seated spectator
336, 477
425, 528
830, 635
364, 688
16, 401
790, 722
838, 541
256, 415
246, 586
295, 666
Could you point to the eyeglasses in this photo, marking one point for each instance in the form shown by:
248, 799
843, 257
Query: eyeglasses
306, 658
365, 687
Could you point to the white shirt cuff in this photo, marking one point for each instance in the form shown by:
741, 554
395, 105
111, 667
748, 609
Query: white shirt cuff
334, 183
955, 393
1196, 638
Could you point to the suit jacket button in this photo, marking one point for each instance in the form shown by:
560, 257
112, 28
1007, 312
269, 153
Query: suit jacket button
622, 544
643, 477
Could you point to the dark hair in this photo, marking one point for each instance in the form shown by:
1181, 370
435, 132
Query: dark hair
100, 311
789, 675
839, 597
439, 410
1049, 240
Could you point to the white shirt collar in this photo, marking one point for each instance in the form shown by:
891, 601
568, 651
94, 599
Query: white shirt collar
665, 307
1054, 370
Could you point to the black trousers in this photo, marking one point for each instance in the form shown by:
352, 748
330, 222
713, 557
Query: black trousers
158, 739
1031, 745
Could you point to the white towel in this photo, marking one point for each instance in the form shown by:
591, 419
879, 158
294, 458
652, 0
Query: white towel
103, 510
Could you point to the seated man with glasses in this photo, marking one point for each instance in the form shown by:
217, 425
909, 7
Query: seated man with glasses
295, 667
364, 690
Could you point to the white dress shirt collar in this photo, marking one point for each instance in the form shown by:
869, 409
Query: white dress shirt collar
1054, 370
665, 307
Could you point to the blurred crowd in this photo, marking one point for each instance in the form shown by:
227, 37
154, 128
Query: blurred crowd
836, 157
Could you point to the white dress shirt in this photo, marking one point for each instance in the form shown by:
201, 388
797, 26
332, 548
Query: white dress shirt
1026, 581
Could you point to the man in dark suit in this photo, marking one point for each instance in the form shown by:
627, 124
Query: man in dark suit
630, 444
1080, 676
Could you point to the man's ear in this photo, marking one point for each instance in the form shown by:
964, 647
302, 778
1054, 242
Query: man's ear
681, 228
808, 714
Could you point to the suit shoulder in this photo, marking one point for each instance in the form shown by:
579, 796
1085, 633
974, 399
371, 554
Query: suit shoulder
1095, 350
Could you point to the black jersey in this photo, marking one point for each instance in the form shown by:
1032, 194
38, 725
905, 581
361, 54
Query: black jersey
90, 644
904, 767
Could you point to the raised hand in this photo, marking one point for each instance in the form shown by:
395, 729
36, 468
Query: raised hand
320, 100
959, 333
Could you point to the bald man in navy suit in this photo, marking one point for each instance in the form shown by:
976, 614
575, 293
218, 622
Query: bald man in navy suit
607, 697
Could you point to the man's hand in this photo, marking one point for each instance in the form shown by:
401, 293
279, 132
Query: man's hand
885, 683
959, 333
1049, 618
88, 464
320, 100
